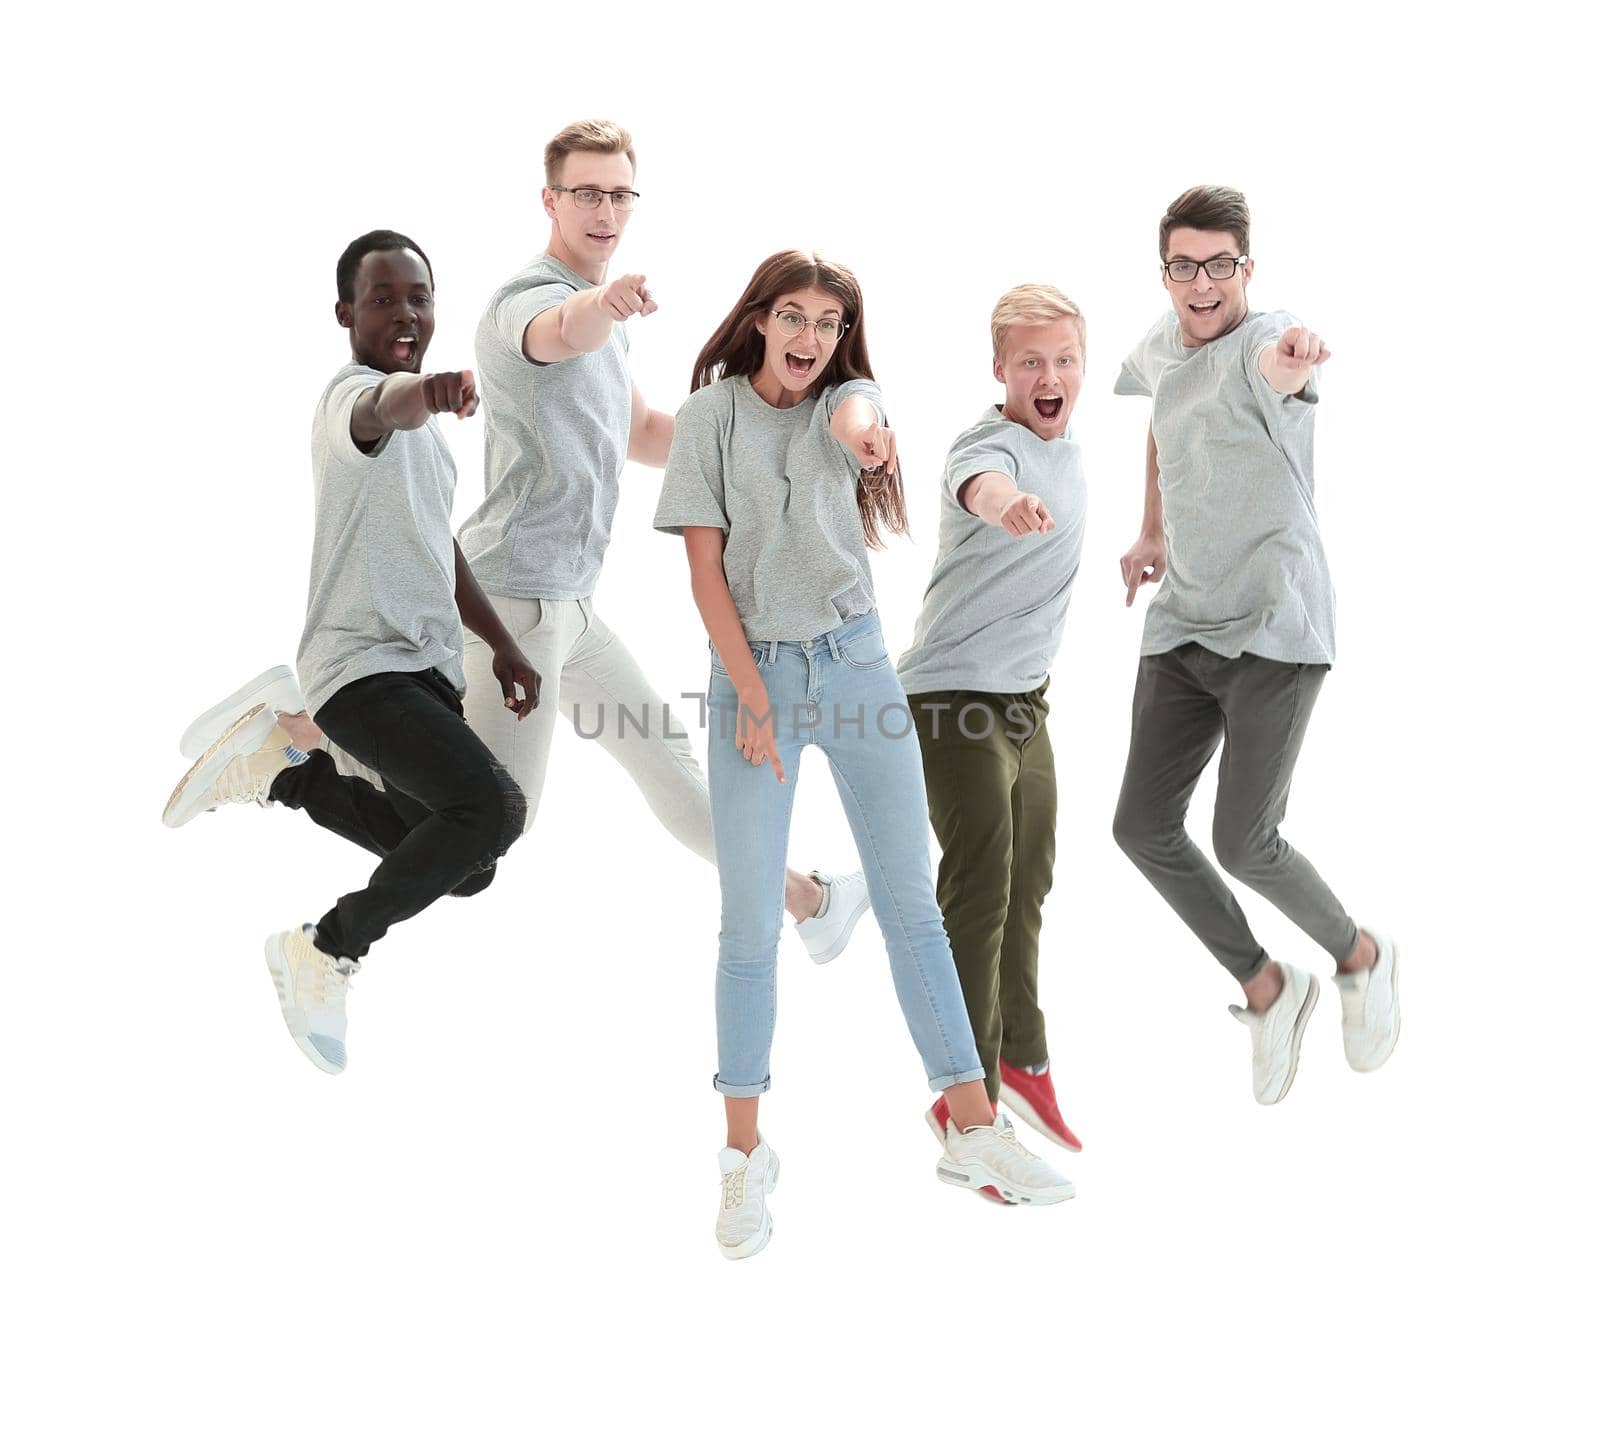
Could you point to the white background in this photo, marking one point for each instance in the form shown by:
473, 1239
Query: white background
502, 1214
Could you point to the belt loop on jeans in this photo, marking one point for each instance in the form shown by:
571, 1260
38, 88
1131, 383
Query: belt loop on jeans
833, 645
772, 652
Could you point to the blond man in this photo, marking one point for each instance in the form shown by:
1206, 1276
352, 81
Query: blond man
1010, 537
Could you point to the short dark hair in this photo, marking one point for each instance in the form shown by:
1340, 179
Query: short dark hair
379, 241
1212, 207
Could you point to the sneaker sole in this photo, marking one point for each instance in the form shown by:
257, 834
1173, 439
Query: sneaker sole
1394, 1037
837, 947
978, 1177
1019, 1105
988, 1191
763, 1235
1300, 1022
283, 982
275, 688
245, 735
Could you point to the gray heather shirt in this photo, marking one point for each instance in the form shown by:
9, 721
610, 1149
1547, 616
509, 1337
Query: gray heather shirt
995, 607
383, 566
555, 439
783, 489
1245, 565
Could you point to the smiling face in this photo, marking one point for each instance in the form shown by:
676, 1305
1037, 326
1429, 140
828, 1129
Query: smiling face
792, 363
1042, 367
1207, 307
391, 316
585, 239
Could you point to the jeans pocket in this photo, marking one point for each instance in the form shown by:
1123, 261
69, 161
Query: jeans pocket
865, 652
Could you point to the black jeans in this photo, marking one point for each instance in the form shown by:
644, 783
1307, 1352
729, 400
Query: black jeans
447, 812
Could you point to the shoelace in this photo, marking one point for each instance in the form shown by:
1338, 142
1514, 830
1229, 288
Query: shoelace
324, 979
241, 781
733, 1187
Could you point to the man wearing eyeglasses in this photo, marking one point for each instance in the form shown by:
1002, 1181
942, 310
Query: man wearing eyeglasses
561, 416
1238, 636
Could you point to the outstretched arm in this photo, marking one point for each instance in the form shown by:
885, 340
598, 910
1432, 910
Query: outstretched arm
855, 424
403, 401
998, 500
582, 323
1288, 365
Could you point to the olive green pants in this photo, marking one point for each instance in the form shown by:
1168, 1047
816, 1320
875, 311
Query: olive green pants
991, 779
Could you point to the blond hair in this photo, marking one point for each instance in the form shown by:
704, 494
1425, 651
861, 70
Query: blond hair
1029, 303
593, 136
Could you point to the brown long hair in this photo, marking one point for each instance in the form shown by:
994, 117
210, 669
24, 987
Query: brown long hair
737, 350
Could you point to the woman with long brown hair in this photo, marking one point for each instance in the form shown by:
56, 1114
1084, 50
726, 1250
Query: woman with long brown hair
783, 471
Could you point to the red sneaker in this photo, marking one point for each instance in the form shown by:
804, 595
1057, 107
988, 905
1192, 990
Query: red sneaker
939, 1116
1032, 1098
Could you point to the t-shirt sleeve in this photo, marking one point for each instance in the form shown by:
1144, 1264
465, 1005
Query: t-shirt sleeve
854, 388
1264, 334
337, 404
978, 452
692, 486
514, 312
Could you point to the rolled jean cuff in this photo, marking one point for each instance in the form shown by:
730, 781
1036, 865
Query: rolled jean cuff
944, 1081
744, 1091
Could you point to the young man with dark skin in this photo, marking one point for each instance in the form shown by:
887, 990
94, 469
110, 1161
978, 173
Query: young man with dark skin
1239, 636
380, 657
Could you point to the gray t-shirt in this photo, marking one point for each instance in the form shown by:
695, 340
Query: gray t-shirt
555, 437
1245, 565
995, 607
383, 565
783, 489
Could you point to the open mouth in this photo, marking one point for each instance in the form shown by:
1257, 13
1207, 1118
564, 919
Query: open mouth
1048, 408
1205, 310
798, 365
603, 238
404, 349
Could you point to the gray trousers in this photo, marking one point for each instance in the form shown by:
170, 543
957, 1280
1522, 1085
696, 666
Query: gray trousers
1185, 703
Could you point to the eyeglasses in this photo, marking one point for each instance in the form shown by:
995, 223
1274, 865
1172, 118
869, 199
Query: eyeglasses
590, 198
1182, 270
829, 330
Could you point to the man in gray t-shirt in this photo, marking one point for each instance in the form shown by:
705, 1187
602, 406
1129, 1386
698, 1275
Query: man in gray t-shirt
1011, 520
1239, 635
562, 416
380, 658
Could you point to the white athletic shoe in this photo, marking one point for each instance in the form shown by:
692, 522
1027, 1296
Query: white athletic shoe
989, 1156
311, 988
1371, 1007
844, 902
275, 688
744, 1223
1275, 1036
240, 766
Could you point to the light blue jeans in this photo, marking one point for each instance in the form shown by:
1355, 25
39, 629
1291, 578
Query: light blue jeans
840, 693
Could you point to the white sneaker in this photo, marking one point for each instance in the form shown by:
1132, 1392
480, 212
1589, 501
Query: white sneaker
989, 1156
311, 988
1371, 1007
241, 765
1275, 1035
744, 1223
844, 901
275, 688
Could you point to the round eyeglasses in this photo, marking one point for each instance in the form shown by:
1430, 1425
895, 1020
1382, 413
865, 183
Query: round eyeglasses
829, 330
